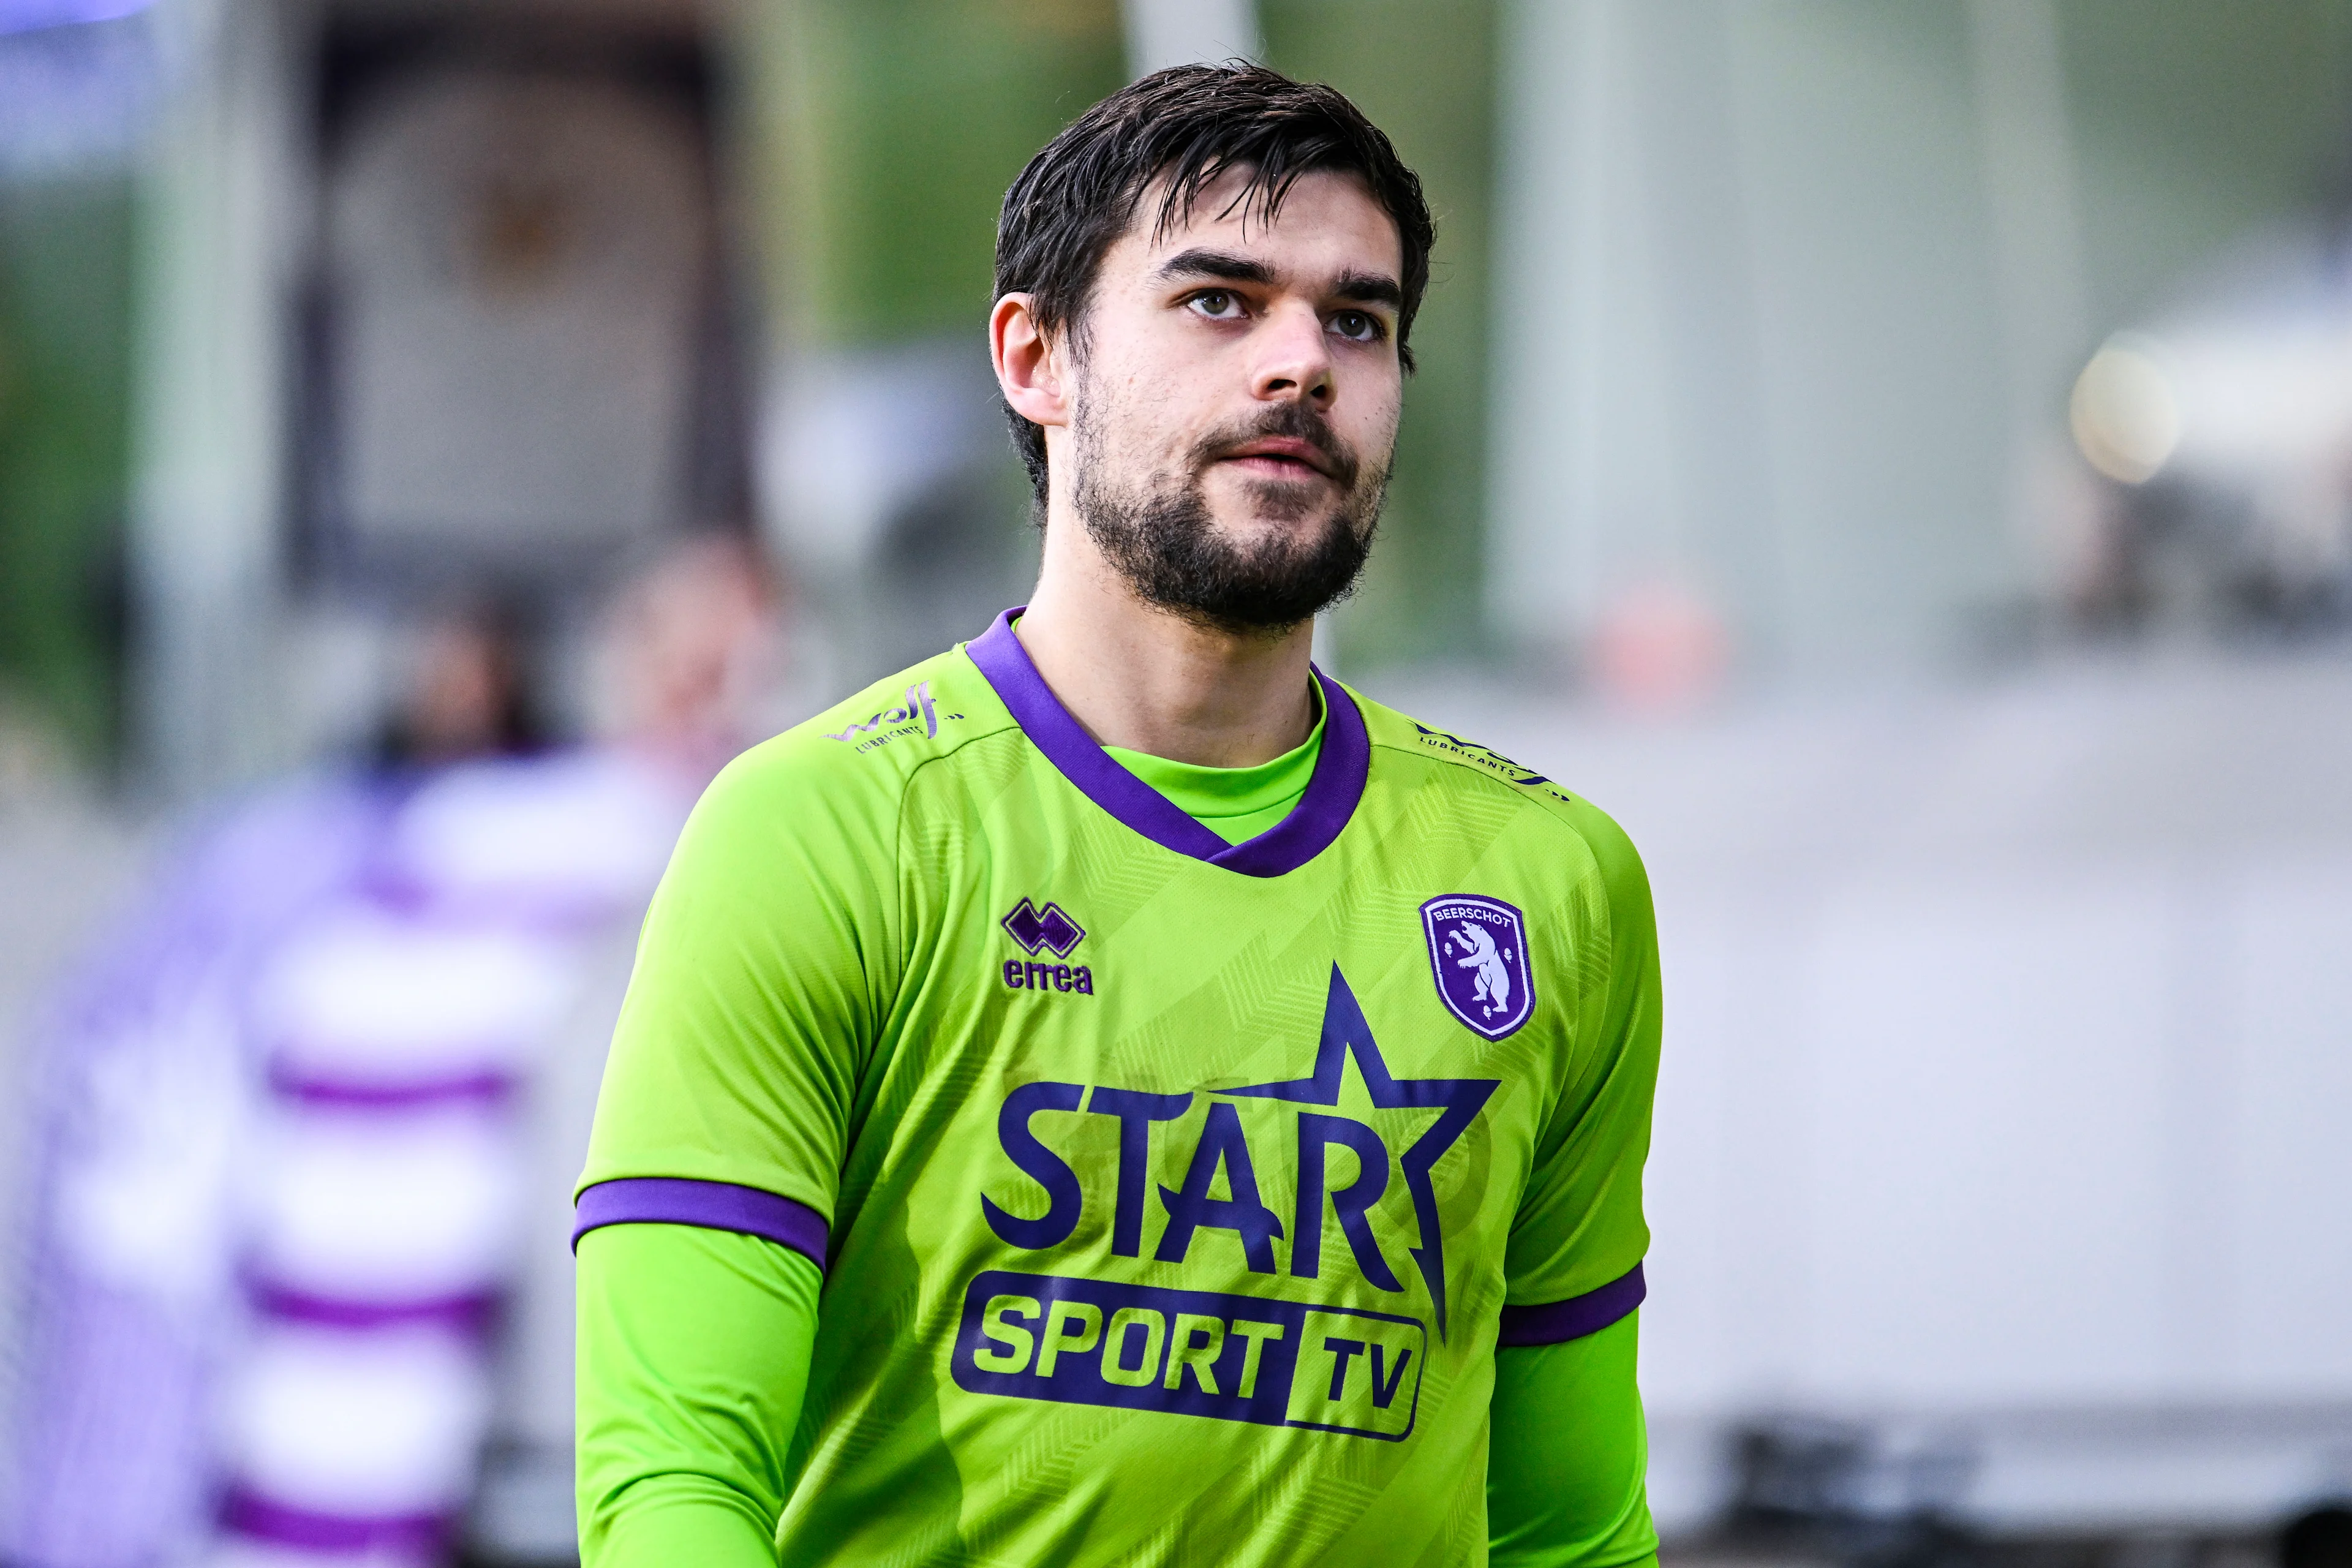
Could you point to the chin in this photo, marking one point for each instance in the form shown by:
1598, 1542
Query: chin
1260, 507
1261, 528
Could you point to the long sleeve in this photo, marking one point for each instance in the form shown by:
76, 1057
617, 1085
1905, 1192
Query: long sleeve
694, 1355
1568, 1456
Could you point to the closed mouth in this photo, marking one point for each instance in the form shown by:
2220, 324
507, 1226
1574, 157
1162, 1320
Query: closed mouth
1282, 459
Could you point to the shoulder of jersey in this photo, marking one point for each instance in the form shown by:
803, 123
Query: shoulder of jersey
1397, 732
878, 738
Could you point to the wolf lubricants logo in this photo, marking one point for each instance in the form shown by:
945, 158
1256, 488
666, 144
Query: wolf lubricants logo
897, 723
1200, 1353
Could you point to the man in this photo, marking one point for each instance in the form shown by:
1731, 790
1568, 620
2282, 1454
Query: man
1051, 1122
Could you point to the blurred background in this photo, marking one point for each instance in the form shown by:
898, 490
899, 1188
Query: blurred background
1897, 457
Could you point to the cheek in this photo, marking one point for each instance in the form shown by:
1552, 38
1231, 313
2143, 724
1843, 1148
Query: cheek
1170, 361
1166, 392
1371, 428
1151, 409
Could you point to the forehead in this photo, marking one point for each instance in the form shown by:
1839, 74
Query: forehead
1329, 223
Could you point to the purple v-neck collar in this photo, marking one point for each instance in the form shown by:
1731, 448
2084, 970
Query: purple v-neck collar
1332, 793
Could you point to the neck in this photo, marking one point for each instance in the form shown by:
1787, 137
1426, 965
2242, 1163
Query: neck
1134, 675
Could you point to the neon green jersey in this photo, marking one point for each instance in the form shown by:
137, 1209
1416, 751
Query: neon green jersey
1173, 1196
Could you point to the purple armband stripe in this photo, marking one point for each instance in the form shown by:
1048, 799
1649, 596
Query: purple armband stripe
713, 1205
473, 1314
1556, 1322
260, 1518
325, 1091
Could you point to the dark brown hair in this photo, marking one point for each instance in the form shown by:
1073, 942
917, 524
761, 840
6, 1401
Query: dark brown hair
1188, 125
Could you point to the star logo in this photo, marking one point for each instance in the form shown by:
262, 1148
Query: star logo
1457, 1100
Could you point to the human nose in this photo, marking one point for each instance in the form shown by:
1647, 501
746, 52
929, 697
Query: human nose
1294, 361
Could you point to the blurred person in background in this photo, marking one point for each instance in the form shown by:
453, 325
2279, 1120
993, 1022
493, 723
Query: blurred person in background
689, 659
295, 1115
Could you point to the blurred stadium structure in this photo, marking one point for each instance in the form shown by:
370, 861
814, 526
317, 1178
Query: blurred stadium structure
1897, 459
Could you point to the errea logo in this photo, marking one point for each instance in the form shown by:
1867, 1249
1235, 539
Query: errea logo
1034, 928
1049, 930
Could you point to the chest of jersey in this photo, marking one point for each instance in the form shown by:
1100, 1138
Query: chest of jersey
1153, 1136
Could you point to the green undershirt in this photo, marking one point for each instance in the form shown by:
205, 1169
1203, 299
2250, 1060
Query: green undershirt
1235, 804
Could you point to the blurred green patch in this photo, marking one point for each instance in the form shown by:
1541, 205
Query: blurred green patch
65, 368
894, 127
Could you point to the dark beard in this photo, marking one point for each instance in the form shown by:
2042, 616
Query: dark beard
1167, 545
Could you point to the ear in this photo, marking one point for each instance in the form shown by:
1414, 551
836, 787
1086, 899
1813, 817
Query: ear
1029, 365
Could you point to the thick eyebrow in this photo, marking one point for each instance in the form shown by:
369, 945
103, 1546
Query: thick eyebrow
1226, 267
1202, 262
1371, 288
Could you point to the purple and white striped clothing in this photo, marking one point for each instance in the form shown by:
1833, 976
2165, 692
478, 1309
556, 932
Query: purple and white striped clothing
337, 1073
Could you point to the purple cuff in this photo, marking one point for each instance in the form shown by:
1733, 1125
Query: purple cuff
713, 1205
1558, 1321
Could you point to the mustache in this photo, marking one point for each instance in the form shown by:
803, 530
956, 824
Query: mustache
1288, 421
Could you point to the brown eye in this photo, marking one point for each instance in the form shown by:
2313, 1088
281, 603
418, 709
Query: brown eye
1216, 303
1356, 326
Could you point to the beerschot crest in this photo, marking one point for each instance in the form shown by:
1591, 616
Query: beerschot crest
1478, 953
